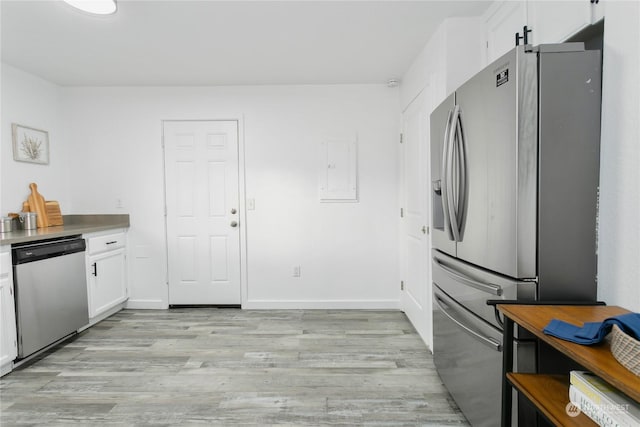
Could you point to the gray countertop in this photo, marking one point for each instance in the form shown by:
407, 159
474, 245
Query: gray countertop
73, 224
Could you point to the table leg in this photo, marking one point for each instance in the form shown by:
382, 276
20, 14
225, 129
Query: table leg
507, 366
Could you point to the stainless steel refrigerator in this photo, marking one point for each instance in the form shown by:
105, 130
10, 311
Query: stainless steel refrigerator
514, 177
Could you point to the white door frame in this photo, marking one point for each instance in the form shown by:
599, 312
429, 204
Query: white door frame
242, 206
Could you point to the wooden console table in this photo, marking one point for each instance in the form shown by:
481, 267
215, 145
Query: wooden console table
550, 393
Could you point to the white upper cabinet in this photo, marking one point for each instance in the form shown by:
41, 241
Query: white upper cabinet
503, 20
556, 21
549, 22
597, 11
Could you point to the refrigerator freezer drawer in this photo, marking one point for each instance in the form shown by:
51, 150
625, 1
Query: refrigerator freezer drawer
468, 357
472, 286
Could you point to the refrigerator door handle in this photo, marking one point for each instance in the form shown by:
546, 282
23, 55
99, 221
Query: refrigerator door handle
451, 181
489, 342
444, 171
461, 197
486, 287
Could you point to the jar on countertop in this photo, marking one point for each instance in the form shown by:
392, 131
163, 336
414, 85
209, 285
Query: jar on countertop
29, 220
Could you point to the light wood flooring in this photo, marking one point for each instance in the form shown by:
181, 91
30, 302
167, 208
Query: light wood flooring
209, 366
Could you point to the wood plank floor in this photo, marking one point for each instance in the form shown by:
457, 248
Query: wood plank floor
208, 366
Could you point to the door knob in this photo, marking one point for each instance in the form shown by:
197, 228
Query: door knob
233, 211
234, 223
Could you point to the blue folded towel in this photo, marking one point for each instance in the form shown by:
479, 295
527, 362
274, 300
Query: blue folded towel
594, 332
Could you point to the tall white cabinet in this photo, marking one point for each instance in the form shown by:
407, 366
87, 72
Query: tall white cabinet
8, 344
106, 273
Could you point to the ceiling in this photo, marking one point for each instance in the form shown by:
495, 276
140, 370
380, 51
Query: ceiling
203, 43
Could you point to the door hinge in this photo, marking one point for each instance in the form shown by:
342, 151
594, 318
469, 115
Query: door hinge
401, 138
401, 213
402, 285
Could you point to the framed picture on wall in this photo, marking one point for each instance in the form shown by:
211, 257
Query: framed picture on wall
30, 145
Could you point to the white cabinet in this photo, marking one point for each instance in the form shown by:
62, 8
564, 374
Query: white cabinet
549, 22
597, 11
503, 20
8, 347
556, 21
106, 273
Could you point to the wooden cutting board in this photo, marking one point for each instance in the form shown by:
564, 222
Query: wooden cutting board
36, 204
54, 215
52, 207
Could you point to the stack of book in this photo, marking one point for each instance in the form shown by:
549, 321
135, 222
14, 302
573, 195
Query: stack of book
601, 402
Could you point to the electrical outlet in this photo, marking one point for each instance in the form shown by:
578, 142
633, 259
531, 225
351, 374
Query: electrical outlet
296, 271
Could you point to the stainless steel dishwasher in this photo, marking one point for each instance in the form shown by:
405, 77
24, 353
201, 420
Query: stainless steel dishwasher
51, 291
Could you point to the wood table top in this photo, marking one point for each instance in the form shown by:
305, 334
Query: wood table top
595, 358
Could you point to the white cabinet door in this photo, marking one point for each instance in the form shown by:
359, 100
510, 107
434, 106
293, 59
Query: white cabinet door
8, 347
503, 21
549, 22
597, 11
106, 272
556, 21
107, 281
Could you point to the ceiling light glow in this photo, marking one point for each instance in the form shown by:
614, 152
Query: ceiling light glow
98, 7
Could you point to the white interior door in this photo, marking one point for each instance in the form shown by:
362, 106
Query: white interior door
202, 197
414, 238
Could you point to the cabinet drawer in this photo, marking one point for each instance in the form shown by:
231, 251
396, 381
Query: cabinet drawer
104, 243
5, 263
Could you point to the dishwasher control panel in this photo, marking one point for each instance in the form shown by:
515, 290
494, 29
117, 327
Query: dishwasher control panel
48, 249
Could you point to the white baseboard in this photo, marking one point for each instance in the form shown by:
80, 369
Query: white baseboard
6, 368
322, 305
146, 304
99, 318
286, 305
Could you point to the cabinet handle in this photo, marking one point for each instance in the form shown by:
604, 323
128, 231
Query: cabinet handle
111, 242
95, 269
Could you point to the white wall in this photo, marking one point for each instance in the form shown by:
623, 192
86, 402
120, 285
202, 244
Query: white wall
32, 102
619, 230
347, 251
